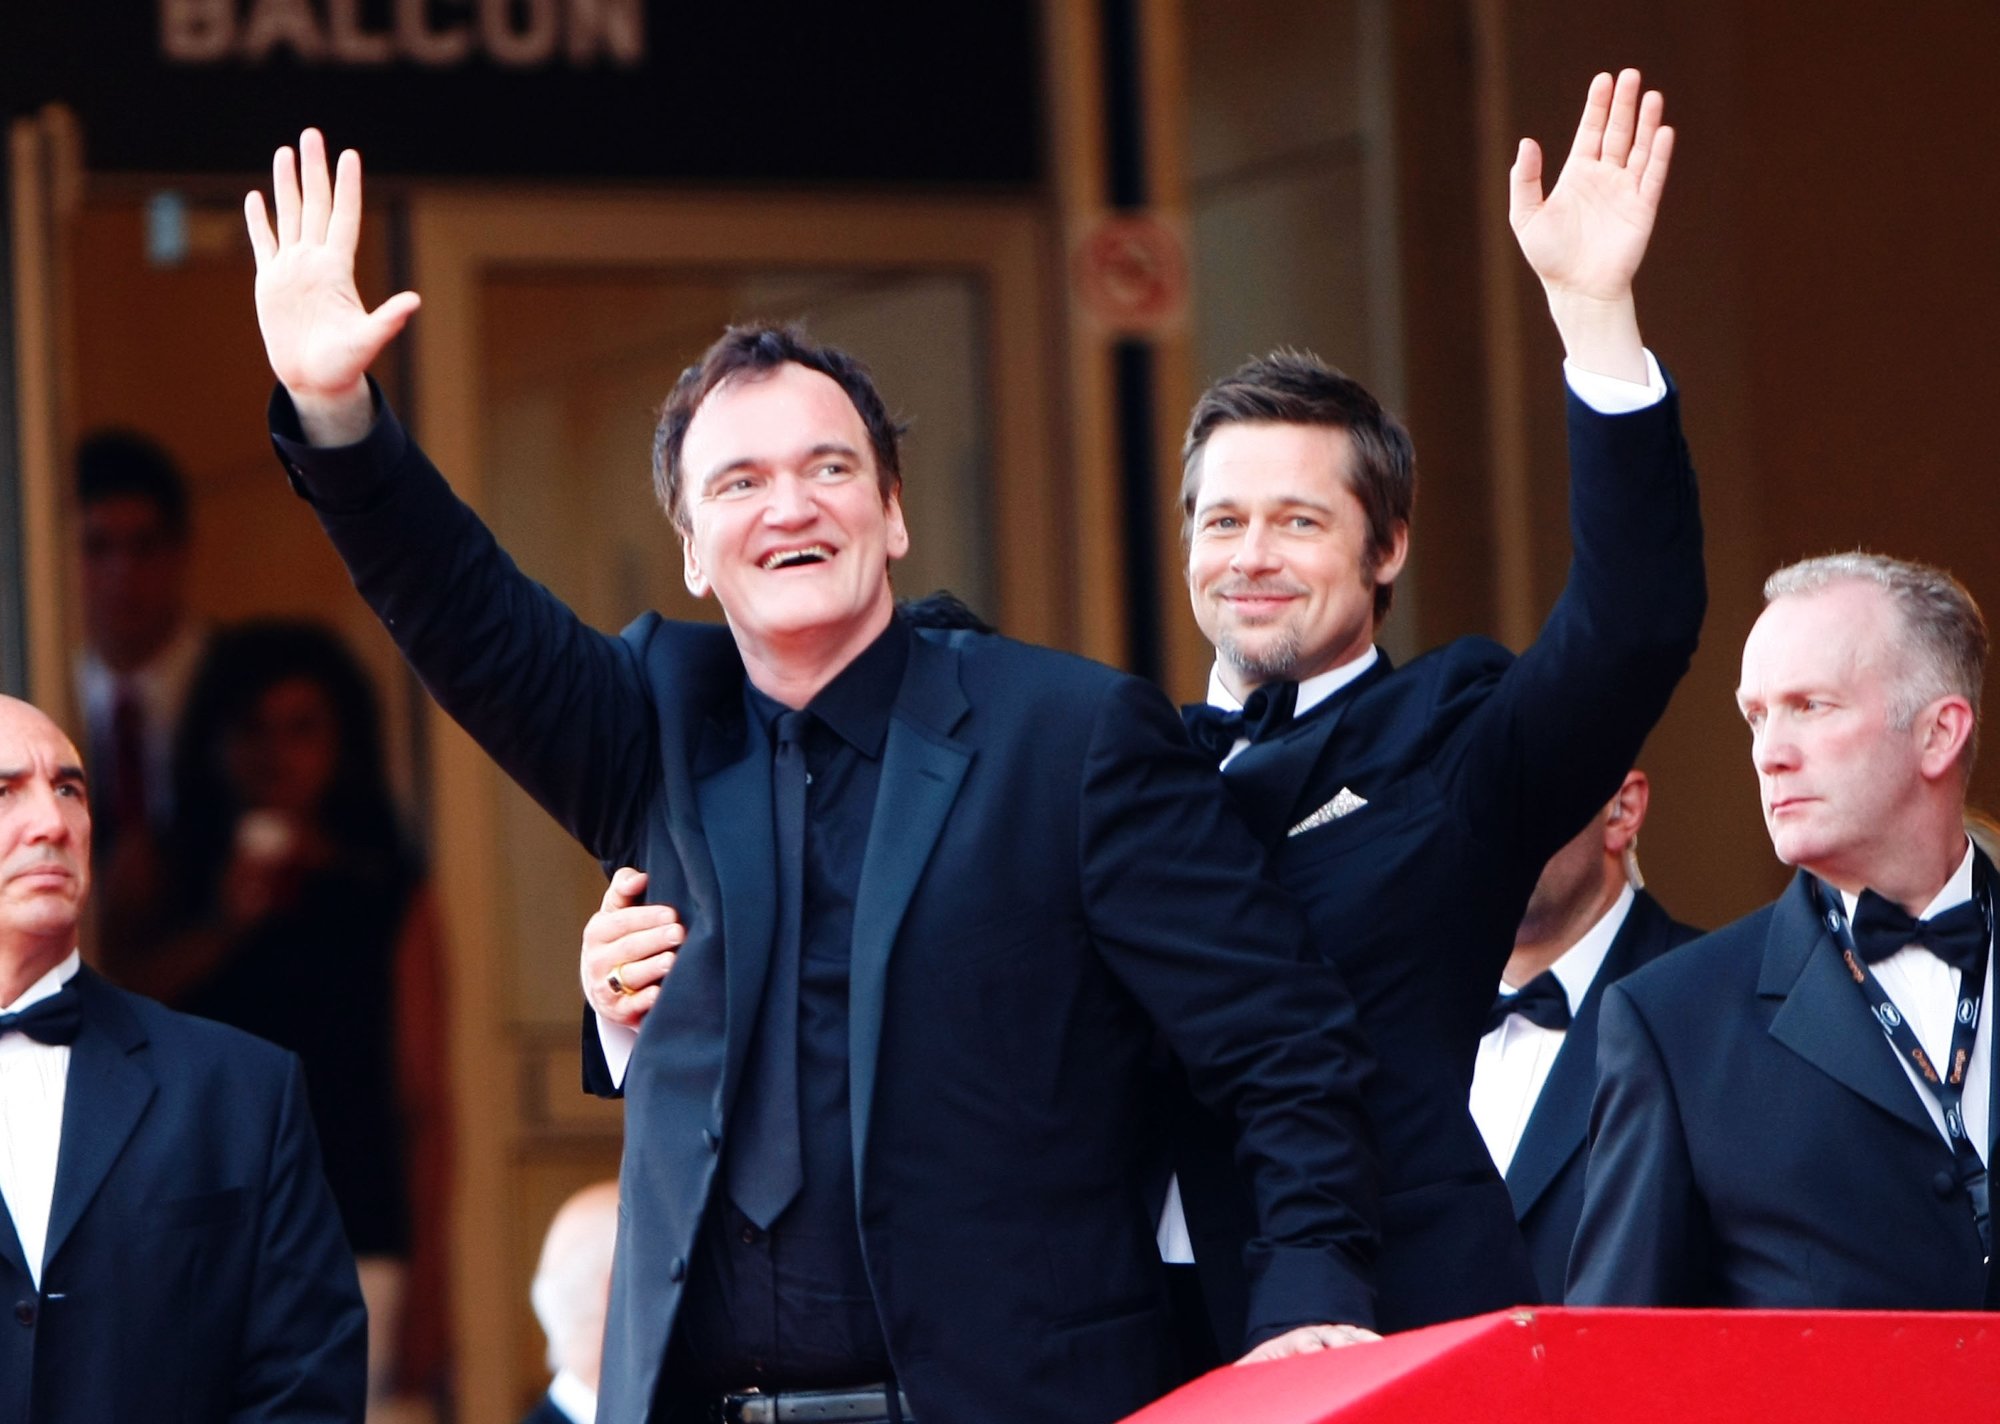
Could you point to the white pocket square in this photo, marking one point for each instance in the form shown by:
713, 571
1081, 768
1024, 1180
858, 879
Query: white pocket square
1343, 804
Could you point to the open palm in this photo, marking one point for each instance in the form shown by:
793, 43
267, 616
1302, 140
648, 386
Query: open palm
1588, 236
318, 334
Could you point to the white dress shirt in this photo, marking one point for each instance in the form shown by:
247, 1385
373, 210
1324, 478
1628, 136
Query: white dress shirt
34, 1080
1514, 1060
1925, 990
573, 1397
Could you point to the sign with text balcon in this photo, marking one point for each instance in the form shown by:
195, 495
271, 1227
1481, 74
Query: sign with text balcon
843, 91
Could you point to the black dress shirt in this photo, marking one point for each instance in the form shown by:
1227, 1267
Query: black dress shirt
792, 1307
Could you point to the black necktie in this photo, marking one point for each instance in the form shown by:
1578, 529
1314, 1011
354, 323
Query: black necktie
55, 1019
1957, 936
1540, 1001
1266, 710
766, 1166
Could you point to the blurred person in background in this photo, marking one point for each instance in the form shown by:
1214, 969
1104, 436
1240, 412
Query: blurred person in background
303, 915
571, 1295
1589, 923
139, 655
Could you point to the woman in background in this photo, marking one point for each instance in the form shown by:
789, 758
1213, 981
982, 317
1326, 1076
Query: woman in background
303, 917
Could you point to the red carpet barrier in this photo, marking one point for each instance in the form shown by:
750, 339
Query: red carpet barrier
1537, 1366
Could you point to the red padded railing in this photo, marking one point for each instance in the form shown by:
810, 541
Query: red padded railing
1549, 1366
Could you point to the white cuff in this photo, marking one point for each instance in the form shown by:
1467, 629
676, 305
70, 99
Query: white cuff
617, 1042
1608, 395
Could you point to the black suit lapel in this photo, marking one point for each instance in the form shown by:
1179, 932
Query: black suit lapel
1561, 1118
733, 789
1824, 1018
1270, 780
110, 1086
922, 768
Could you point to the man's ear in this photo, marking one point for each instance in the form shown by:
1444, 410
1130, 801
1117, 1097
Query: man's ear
898, 532
1945, 729
1391, 563
691, 574
1627, 812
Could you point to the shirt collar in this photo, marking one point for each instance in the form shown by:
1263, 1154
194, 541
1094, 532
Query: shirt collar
857, 703
156, 682
1957, 890
1579, 964
46, 986
573, 1397
1312, 691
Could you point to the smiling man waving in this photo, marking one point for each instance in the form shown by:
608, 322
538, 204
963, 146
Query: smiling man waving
882, 1145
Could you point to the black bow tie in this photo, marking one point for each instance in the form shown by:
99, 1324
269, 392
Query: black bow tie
52, 1020
1267, 710
1957, 936
1540, 1001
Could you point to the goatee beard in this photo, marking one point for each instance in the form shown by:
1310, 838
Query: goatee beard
1274, 661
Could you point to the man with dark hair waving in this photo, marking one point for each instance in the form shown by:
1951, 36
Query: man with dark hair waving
883, 1138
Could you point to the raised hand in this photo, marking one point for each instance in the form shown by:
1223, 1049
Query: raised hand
318, 334
1590, 233
1587, 237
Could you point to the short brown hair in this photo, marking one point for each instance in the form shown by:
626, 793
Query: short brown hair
1945, 640
1297, 388
750, 352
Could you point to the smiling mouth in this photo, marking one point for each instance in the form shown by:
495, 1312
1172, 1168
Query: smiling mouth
795, 558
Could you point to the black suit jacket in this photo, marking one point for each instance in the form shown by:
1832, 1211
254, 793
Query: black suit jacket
1545, 1178
195, 1267
1476, 766
1756, 1143
1050, 872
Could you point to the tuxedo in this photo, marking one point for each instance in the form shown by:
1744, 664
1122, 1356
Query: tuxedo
1412, 813
1756, 1143
194, 1266
1049, 873
1545, 1178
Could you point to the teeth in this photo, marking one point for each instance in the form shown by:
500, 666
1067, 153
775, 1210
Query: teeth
790, 558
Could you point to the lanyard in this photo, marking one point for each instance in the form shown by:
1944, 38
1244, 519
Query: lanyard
1948, 1089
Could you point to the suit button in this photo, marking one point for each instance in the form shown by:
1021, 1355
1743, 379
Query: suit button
710, 1140
1944, 1184
24, 1311
676, 1269
751, 1235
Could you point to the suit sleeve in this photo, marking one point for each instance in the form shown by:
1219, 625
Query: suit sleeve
1547, 747
1643, 1238
562, 708
304, 1354
1178, 902
597, 1077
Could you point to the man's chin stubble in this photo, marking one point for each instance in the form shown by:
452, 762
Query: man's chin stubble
1274, 661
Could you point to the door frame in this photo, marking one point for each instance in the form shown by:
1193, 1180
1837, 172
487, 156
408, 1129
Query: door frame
455, 239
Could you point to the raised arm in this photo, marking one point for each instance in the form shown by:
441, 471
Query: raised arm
319, 335
1586, 238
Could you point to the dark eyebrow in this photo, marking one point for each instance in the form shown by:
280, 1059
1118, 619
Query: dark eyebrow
62, 773
708, 480
829, 447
